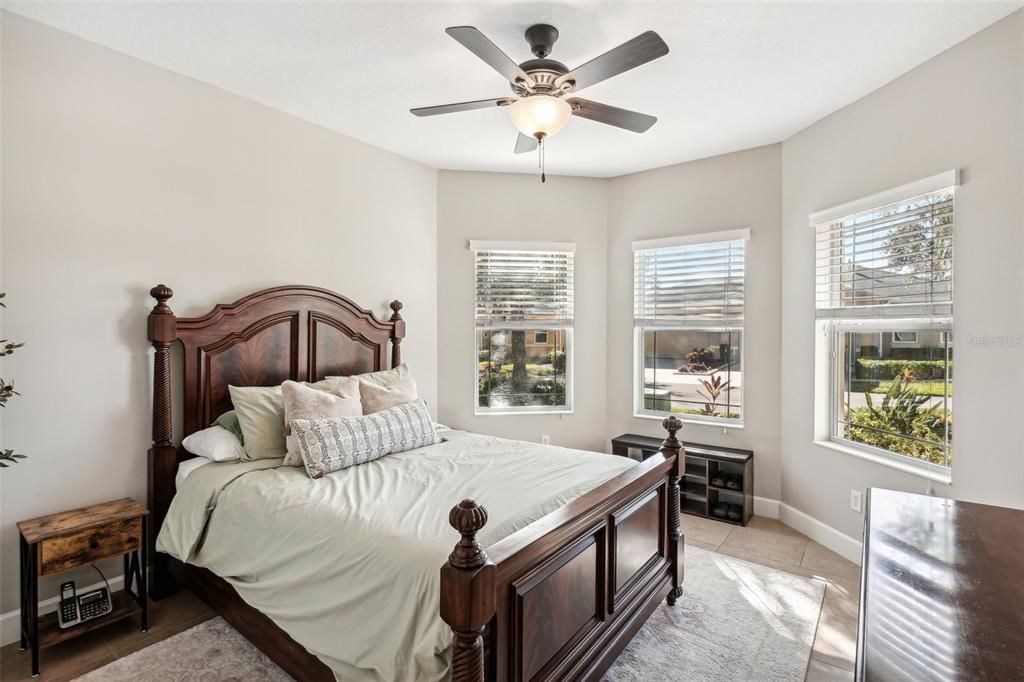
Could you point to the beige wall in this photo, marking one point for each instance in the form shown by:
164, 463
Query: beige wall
118, 175
513, 207
724, 192
963, 109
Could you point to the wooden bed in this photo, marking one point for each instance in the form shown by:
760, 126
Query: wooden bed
556, 600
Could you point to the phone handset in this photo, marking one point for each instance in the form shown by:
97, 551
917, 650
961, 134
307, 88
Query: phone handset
67, 614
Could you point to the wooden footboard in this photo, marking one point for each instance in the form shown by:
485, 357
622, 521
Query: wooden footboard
562, 597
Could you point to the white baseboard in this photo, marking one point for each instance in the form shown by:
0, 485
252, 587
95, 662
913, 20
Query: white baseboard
766, 507
839, 542
10, 622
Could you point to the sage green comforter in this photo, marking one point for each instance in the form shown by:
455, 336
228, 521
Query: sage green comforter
348, 564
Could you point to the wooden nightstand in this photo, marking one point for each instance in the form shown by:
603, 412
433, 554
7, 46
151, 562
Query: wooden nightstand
59, 542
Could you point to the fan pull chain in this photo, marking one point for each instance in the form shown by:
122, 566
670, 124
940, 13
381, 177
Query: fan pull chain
540, 161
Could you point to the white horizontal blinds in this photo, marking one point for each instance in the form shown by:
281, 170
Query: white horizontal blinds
520, 287
893, 261
696, 285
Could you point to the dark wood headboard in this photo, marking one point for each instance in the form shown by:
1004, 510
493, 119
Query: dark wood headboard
293, 332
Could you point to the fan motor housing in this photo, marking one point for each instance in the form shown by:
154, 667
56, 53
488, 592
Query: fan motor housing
543, 72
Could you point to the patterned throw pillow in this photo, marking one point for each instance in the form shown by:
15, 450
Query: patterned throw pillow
340, 399
341, 442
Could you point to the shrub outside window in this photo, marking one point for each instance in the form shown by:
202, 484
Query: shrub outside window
893, 399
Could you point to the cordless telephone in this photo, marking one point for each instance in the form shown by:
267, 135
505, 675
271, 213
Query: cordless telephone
73, 611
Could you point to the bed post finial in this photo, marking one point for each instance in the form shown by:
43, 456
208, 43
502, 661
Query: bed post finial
397, 332
468, 517
671, 447
163, 331
467, 592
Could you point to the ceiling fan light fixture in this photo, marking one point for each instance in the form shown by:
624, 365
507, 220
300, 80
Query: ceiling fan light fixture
540, 116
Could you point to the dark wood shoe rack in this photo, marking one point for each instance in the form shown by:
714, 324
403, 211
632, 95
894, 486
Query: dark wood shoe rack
703, 462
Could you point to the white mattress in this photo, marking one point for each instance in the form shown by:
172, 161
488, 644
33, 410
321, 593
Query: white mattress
187, 467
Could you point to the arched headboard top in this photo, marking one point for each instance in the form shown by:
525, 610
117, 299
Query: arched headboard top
297, 332
299, 294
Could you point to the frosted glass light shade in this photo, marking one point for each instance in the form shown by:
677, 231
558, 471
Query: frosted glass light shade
540, 114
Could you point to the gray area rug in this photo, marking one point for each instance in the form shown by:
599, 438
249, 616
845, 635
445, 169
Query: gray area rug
212, 651
735, 621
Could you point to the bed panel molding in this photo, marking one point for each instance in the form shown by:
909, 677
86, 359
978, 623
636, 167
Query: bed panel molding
639, 534
557, 605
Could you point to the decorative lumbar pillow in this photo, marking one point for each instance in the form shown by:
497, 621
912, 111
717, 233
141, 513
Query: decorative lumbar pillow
340, 398
382, 390
260, 411
341, 442
229, 421
215, 443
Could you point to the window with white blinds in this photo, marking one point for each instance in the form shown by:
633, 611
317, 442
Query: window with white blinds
893, 261
524, 326
688, 325
523, 284
692, 282
884, 300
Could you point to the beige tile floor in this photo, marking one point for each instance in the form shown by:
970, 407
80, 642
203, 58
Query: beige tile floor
763, 541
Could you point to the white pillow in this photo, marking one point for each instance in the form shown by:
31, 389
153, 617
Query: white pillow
215, 443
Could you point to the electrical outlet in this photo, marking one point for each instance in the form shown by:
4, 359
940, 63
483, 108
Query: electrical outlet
545, 439
855, 500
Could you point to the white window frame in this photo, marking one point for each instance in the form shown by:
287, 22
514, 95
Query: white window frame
828, 362
538, 342
902, 343
835, 329
639, 410
539, 325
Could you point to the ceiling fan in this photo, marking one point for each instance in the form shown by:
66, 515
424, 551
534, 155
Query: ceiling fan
542, 85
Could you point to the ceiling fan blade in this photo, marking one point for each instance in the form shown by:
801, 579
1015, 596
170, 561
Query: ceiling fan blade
525, 143
480, 45
646, 47
613, 116
463, 106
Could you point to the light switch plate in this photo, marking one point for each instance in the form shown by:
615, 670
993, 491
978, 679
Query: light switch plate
855, 500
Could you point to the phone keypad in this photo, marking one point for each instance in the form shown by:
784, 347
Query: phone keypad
93, 609
67, 610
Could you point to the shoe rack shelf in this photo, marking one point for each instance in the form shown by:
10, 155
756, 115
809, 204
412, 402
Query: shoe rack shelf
709, 474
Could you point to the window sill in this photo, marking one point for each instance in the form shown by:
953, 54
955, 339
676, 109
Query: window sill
685, 420
938, 477
524, 413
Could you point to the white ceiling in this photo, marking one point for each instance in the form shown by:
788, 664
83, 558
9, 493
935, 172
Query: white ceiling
737, 76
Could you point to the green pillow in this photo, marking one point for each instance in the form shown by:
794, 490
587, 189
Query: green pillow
260, 411
229, 421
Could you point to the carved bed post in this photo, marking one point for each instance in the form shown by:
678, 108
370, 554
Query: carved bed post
162, 456
397, 334
467, 593
671, 447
